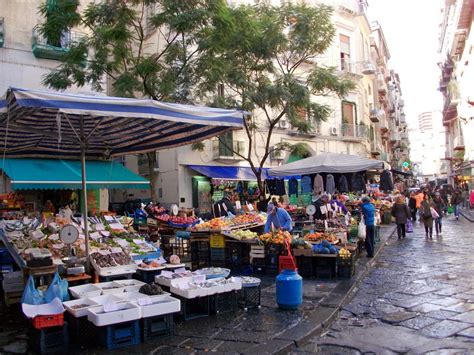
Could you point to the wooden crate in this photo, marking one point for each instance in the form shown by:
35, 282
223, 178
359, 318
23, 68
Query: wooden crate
13, 298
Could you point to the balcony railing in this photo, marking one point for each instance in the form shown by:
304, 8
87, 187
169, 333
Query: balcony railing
381, 84
404, 136
42, 48
375, 115
2, 32
221, 151
354, 132
375, 148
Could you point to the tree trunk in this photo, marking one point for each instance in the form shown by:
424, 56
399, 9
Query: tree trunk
151, 157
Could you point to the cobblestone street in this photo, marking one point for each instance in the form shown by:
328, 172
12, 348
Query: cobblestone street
418, 298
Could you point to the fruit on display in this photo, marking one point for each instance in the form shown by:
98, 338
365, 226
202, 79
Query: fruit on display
215, 223
276, 237
344, 253
182, 220
163, 218
319, 236
244, 235
300, 243
247, 219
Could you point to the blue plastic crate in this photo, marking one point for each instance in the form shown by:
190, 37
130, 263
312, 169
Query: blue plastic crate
151, 255
5, 257
153, 327
5, 269
49, 340
146, 276
119, 335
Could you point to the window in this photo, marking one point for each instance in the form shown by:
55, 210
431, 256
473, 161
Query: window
349, 112
150, 10
226, 142
220, 90
345, 47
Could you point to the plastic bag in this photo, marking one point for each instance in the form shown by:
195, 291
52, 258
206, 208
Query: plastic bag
361, 232
409, 226
31, 295
434, 214
450, 209
57, 289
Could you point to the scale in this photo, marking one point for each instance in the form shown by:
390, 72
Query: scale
174, 210
310, 210
69, 235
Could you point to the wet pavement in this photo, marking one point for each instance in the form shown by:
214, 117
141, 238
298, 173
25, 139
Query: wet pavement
265, 330
418, 299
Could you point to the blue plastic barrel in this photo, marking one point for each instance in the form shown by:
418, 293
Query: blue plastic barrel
289, 289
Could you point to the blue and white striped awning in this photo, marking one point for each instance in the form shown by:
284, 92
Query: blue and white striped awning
48, 124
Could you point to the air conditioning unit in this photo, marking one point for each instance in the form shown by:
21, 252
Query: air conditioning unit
283, 124
333, 131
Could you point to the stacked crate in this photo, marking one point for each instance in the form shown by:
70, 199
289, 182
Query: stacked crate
217, 253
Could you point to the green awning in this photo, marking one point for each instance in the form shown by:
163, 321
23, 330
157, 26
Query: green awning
26, 174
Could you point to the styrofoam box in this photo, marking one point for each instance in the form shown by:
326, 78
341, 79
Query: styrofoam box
110, 288
101, 300
127, 312
190, 293
159, 306
167, 282
85, 291
216, 289
133, 296
81, 311
13, 287
131, 285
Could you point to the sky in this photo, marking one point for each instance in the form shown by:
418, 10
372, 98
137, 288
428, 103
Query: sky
411, 29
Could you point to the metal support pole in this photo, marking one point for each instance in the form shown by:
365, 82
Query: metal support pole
84, 193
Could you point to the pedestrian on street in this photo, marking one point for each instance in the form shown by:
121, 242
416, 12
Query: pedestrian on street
419, 199
456, 200
439, 206
401, 213
368, 211
427, 217
412, 205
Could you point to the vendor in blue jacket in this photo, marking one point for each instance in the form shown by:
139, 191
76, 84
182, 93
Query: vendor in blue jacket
368, 211
279, 218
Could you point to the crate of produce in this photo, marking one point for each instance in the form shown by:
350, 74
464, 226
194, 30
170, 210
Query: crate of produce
153, 327
52, 320
345, 264
119, 335
49, 340
224, 302
217, 240
305, 266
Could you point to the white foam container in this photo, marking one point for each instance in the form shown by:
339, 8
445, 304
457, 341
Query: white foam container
190, 293
134, 296
81, 312
130, 285
101, 300
127, 312
110, 288
85, 291
159, 306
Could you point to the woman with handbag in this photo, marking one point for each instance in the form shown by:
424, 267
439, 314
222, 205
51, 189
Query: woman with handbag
439, 206
401, 213
426, 216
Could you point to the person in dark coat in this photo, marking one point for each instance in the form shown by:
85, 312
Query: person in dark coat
224, 206
358, 182
262, 203
456, 200
323, 201
412, 206
439, 206
386, 182
401, 213
426, 216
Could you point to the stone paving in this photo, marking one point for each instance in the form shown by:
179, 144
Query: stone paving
418, 298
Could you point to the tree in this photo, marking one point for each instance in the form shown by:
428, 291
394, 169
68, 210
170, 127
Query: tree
116, 47
267, 60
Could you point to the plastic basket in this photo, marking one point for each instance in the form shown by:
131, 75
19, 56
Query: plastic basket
305, 266
54, 320
80, 329
49, 340
217, 241
154, 327
249, 297
224, 302
195, 307
119, 335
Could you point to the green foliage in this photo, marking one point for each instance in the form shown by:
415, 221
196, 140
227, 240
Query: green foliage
301, 150
61, 16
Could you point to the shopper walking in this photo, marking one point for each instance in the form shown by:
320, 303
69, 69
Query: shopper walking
401, 213
419, 199
439, 206
412, 206
368, 211
456, 200
426, 216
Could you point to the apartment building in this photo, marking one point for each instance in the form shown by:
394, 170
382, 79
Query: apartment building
361, 124
456, 43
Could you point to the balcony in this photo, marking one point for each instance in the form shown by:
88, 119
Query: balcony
374, 115
381, 84
351, 69
2, 32
224, 153
404, 136
375, 148
385, 157
394, 137
458, 143
354, 133
43, 49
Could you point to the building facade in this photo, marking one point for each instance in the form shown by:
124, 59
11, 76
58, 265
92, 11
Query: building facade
456, 43
368, 122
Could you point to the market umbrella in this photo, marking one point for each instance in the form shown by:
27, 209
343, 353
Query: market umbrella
327, 163
47, 124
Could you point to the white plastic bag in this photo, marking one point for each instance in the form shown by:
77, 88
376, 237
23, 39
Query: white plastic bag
434, 214
362, 232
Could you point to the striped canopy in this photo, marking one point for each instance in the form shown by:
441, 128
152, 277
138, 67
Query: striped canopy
51, 124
